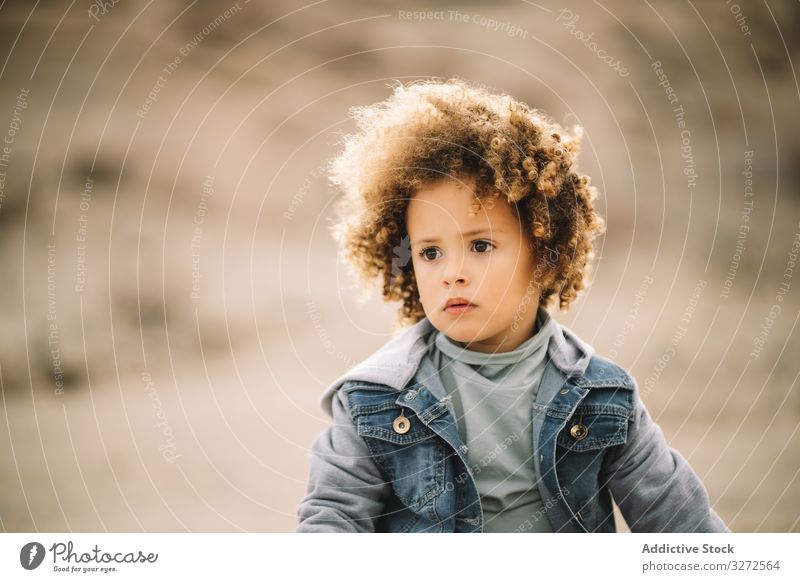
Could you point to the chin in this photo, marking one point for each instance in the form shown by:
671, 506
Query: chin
459, 332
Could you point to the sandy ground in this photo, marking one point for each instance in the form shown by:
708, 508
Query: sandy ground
211, 312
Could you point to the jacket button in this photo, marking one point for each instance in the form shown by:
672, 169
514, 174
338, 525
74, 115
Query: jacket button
401, 424
578, 432
563, 391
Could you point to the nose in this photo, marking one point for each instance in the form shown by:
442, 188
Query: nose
454, 273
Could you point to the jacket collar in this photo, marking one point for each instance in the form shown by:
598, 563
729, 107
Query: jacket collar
397, 361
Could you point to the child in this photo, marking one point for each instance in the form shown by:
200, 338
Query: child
483, 414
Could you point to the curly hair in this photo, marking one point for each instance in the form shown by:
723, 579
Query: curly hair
427, 131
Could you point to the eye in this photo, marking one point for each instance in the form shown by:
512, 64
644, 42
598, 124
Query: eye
482, 246
426, 253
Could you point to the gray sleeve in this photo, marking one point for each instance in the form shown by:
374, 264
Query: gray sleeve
654, 486
346, 489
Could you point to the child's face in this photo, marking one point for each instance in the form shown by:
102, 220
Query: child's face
484, 259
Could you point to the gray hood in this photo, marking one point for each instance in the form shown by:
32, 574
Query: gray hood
398, 360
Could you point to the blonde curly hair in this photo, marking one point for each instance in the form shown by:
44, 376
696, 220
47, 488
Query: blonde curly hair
427, 131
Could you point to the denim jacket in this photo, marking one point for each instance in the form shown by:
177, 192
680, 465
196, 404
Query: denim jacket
592, 438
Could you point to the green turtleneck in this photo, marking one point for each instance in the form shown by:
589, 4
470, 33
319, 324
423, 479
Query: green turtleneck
492, 396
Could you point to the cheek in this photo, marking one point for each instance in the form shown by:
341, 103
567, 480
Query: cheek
422, 277
506, 268
424, 284
514, 273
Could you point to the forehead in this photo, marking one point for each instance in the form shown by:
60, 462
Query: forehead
443, 209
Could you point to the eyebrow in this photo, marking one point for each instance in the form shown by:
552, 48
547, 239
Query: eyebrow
464, 234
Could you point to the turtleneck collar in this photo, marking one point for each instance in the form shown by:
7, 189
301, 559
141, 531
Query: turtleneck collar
536, 343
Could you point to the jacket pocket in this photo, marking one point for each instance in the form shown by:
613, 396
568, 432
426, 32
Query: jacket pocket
594, 426
413, 459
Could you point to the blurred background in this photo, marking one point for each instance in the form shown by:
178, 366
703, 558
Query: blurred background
172, 307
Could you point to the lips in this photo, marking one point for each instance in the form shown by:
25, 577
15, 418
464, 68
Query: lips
458, 305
